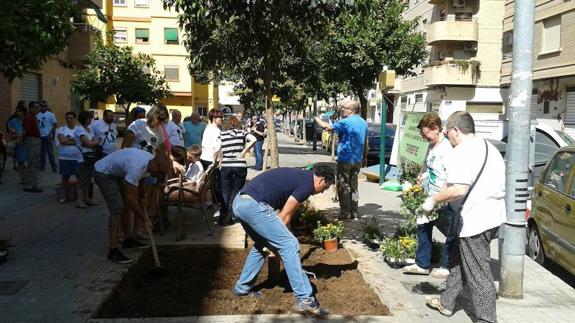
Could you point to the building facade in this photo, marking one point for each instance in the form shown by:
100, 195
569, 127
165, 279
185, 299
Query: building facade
464, 39
553, 96
147, 27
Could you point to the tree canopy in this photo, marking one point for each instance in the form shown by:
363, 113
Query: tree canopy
362, 42
31, 31
117, 71
246, 40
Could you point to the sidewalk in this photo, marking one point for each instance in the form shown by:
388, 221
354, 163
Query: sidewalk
60, 253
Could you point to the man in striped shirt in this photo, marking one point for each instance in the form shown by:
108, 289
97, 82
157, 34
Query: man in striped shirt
235, 142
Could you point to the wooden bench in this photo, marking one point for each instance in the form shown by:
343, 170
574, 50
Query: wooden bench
175, 193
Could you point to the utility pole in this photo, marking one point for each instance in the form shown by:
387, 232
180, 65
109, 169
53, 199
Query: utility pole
517, 170
314, 125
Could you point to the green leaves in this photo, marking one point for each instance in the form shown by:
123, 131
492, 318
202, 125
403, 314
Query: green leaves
32, 30
116, 71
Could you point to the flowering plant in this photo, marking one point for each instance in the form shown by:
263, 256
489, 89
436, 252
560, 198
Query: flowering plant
411, 202
399, 248
329, 231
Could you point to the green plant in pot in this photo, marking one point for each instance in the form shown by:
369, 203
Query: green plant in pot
399, 251
310, 219
328, 234
372, 233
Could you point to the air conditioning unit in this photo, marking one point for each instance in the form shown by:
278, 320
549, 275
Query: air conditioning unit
470, 45
458, 3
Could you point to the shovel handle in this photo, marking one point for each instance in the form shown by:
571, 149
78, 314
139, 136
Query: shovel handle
153, 243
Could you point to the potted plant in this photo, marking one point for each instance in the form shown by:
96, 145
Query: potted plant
372, 233
310, 219
328, 235
411, 202
399, 251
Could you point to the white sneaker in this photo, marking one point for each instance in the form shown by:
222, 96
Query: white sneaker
440, 273
415, 269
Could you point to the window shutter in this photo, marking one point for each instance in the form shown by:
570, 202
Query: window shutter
171, 34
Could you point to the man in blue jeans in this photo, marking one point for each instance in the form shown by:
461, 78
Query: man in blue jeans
265, 207
258, 129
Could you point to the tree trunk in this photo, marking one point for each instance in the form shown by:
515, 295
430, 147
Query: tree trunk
272, 136
363, 104
303, 130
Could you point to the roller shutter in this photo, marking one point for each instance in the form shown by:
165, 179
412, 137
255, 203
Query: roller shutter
31, 87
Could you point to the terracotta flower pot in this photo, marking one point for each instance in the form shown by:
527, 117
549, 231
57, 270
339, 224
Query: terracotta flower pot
330, 245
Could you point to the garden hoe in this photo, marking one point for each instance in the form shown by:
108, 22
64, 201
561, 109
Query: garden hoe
158, 269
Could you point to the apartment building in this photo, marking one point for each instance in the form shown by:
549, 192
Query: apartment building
52, 81
464, 39
553, 97
149, 28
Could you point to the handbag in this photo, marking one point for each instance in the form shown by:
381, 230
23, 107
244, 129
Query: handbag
450, 221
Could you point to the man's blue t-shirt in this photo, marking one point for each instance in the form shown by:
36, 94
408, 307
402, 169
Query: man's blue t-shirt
193, 134
352, 132
275, 186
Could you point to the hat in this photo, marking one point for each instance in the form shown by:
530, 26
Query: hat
139, 110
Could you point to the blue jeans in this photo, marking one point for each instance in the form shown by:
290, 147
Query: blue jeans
233, 179
258, 151
424, 247
46, 148
263, 225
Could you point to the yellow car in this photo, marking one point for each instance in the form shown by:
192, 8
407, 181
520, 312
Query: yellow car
552, 224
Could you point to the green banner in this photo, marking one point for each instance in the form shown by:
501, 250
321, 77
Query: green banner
413, 147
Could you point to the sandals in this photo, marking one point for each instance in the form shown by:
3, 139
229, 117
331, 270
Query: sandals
81, 205
435, 303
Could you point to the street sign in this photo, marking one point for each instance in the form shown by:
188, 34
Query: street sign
412, 146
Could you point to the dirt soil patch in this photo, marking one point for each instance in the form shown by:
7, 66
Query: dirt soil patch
199, 281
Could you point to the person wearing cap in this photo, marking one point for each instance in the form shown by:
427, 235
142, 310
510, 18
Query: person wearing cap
118, 176
351, 155
47, 124
265, 207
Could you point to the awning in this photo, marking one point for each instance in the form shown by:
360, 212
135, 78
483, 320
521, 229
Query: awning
170, 34
142, 33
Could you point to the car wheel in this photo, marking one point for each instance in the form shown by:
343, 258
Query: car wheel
535, 248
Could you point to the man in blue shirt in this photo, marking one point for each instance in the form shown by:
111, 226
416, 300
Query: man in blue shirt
265, 207
351, 154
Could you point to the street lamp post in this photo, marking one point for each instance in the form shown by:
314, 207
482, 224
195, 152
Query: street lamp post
386, 81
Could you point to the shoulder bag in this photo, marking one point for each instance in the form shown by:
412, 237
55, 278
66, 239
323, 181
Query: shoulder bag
450, 221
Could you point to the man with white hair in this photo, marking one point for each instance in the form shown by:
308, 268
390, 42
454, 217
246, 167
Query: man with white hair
351, 154
175, 129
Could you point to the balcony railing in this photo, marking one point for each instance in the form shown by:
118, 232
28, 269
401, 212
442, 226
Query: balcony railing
465, 30
456, 72
81, 42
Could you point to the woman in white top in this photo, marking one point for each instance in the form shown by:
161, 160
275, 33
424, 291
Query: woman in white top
210, 147
68, 154
86, 142
432, 178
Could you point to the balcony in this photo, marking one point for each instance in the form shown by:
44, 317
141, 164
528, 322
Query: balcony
457, 72
90, 3
464, 30
80, 43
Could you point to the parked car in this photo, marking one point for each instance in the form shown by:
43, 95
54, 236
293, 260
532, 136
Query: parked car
547, 141
552, 221
308, 130
374, 141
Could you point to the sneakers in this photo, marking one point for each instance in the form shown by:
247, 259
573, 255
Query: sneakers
255, 294
311, 306
134, 244
440, 273
118, 257
33, 190
434, 302
415, 269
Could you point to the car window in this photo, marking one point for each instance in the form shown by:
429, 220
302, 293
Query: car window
570, 141
557, 174
545, 148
